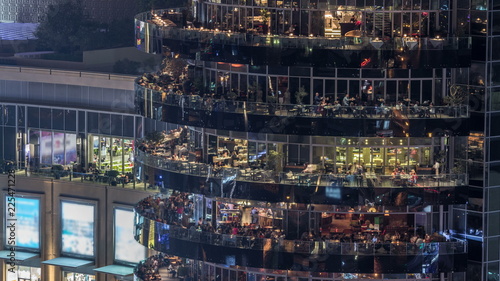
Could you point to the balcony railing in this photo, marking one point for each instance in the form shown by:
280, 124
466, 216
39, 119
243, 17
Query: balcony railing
214, 36
304, 179
305, 247
195, 102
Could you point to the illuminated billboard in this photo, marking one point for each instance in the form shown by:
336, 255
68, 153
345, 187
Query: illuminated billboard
77, 228
26, 211
126, 248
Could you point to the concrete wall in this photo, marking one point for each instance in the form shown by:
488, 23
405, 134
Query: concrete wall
103, 59
86, 90
51, 193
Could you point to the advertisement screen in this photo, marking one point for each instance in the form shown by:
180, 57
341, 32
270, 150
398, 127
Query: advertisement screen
27, 213
126, 248
46, 148
70, 148
77, 228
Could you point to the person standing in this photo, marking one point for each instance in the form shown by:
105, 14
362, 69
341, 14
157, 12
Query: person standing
436, 167
255, 215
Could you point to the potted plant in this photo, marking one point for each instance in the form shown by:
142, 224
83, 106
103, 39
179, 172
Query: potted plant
456, 97
112, 175
231, 104
57, 171
155, 138
266, 15
271, 104
287, 98
457, 172
300, 94
275, 163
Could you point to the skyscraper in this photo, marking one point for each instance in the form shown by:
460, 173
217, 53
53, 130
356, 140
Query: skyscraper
331, 134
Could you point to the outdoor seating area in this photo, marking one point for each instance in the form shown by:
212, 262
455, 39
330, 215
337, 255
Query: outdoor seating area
170, 151
355, 107
379, 237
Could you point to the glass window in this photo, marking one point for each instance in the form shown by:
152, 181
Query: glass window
8, 116
24, 273
257, 69
92, 122
494, 174
300, 71
495, 98
494, 130
348, 73
33, 117
493, 270
474, 224
20, 116
104, 123
45, 118
459, 221
495, 149
74, 276
57, 119
70, 120
493, 202
495, 74
493, 246
373, 73
116, 125
81, 121
494, 226
495, 27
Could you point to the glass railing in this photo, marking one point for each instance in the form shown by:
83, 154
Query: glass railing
195, 102
308, 247
121, 180
301, 179
214, 36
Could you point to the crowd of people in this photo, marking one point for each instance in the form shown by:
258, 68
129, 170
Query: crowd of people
362, 105
171, 144
417, 237
148, 270
177, 207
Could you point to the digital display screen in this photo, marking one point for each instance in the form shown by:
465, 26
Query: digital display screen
127, 249
27, 213
46, 148
77, 228
70, 148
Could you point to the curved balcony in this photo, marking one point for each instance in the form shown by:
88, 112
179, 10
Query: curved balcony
264, 185
366, 121
258, 49
316, 256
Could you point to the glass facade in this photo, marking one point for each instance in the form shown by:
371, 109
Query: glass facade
42, 137
263, 139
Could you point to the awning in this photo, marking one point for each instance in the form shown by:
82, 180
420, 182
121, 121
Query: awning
68, 262
20, 256
118, 270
